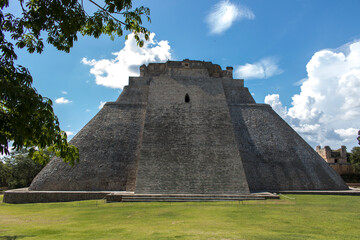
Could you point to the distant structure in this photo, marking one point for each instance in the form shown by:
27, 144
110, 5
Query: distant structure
188, 127
337, 159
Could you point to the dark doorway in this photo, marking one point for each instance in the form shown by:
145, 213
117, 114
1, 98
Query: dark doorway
187, 98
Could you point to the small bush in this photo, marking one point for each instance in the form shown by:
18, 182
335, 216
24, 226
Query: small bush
355, 159
351, 178
18, 170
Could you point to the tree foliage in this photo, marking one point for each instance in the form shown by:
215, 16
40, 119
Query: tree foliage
355, 159
18, 169
27, 119
4, 174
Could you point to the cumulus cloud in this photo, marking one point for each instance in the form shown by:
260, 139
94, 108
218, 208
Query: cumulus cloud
348, 134
101, 104
274, 101
224, 14
62, 100
115, 72
265, 68
327, 109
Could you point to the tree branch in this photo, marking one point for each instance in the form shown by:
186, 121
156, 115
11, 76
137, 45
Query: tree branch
107, 12
21, 4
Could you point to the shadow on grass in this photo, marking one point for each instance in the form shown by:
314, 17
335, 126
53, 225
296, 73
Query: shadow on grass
14, 237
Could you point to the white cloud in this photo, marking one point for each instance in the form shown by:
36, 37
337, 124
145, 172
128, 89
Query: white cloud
101, 104
265, 68
224, 14
300, 82
64, 92
62, 101
347, 133
88, 110
69, 133
327, 109
274, 101
115, 72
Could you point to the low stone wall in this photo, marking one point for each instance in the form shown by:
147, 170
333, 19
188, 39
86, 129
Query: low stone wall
350, 192
342, 168
25, 196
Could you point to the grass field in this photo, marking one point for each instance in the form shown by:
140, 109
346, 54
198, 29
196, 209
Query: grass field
292, 217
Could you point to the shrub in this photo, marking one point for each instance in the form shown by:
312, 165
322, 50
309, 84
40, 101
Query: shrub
18, 170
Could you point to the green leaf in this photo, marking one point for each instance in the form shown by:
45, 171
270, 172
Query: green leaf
27, 119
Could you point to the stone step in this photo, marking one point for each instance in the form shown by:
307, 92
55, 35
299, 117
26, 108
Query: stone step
183, 200
114, 197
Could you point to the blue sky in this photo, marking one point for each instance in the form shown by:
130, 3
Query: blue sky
300, 56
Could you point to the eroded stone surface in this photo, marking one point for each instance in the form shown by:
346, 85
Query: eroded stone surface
188, 127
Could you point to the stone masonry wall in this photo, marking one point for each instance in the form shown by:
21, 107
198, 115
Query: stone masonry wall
274, 156
189, 147
109, 149
235, 92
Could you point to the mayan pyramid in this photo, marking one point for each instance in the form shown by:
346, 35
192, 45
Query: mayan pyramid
188, 127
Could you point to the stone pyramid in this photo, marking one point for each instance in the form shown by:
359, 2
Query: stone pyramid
188, 127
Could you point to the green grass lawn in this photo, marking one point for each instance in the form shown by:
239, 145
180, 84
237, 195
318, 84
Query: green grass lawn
292, 217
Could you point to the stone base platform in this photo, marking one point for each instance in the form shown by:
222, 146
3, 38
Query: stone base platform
119, 197
351, 192
23, 195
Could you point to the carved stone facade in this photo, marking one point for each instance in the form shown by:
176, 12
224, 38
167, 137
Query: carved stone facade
337, 159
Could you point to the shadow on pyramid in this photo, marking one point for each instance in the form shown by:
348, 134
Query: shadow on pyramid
188, 127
